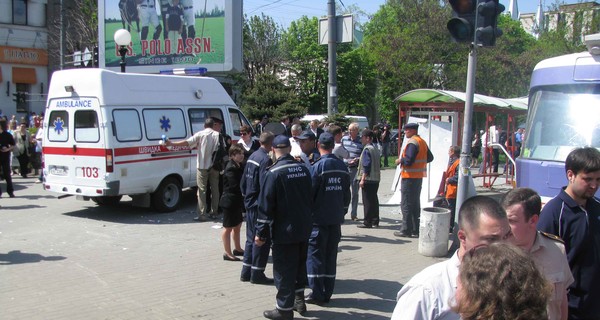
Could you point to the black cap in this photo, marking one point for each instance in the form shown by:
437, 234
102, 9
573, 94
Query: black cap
281, 141
306, 134
411, 126
326, 140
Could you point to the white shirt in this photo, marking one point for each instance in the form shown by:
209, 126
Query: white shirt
207, 141
340, 151
429, 294
296, 151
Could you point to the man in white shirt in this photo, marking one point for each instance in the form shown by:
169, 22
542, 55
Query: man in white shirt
207, 142
296, 150
429, 294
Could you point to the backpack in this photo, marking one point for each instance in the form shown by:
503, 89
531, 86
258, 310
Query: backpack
219, 156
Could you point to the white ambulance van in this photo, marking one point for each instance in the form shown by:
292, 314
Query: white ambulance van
103, 129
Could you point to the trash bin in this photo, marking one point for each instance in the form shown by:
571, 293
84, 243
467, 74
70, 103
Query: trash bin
433, 232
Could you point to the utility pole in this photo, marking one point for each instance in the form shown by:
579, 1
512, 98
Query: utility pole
61, 40
332, 98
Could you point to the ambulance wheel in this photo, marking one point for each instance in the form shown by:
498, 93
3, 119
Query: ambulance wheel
166, 198
107, 200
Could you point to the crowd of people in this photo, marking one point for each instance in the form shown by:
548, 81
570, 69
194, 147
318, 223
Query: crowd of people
21, 148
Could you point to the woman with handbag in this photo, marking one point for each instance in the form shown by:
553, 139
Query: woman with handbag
21, 150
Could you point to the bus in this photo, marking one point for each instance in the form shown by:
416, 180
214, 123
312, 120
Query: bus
563, 114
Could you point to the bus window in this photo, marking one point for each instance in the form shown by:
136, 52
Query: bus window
169, 122
198, 116
86, 126
58, 126
560, 120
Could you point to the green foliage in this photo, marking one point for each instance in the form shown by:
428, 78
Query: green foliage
271, 97
338, 119
307, 64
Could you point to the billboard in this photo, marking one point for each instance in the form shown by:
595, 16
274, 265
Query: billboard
168, 34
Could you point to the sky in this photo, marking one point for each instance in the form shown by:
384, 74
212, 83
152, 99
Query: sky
286, 11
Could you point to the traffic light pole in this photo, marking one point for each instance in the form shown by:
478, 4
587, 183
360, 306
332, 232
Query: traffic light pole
464, 175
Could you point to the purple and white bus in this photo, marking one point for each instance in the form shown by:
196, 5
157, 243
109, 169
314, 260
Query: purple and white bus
564, 113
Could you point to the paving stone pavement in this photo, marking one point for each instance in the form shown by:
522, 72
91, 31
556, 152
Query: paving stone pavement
68, 259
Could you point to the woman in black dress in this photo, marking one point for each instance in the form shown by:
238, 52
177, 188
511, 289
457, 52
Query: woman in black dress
232, 203
248, 143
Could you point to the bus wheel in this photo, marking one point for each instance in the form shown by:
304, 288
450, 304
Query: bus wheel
166, 198
107, 200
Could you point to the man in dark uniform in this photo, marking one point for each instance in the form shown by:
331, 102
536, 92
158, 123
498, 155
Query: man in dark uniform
574, 216
284, 214
331, 196
309, 154
255, 257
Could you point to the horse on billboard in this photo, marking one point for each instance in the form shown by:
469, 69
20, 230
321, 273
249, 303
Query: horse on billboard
129, 14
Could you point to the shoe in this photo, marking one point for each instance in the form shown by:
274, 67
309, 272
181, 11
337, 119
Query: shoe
238, 253
201, 218
299, 304
310, 300
364, 226
228, 258
355, 219
38, 181
244, 279
262, 280
414, 235
401, 234
213, 216
279, 314
12, 195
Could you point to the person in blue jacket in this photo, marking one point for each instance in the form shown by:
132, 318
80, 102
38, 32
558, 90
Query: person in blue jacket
331, 197
255, 257
574, 216
284, 215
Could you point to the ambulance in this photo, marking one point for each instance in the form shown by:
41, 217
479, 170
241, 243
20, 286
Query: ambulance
103, 133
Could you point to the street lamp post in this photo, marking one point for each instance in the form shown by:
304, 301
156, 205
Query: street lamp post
122, 39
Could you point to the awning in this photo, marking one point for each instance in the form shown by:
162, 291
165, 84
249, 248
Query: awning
24, 75
446, 96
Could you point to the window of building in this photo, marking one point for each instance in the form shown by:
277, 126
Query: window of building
19, 12
23, 97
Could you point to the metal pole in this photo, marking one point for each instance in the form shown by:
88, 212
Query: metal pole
464, 175
61, 36
122, 52
332, 85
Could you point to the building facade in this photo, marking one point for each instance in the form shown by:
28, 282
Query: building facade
578, 19
23, 56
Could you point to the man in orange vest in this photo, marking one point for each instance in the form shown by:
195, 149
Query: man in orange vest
452, 181
413, 161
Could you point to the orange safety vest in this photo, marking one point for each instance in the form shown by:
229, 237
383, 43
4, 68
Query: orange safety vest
451, 189
418, 169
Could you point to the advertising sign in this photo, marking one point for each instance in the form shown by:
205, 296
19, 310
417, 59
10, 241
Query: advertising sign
172, 34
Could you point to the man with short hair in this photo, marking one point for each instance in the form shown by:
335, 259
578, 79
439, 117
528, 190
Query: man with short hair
284, 215
296, 131
414, 159
331, 196
338, 149
314, 128
523, 207
255, 257
369, 175
429, 294
353, 144
207, 142
574, 216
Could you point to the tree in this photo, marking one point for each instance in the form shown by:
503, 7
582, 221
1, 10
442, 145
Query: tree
262, 47
269, 96
80, 27
306, 64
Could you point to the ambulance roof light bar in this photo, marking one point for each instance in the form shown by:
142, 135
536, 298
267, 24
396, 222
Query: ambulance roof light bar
195, 71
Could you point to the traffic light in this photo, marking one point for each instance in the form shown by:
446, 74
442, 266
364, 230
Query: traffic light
487, 21
19, 97
475, 21
462, 25
95, 57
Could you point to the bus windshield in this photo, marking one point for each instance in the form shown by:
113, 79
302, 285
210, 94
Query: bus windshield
560, 119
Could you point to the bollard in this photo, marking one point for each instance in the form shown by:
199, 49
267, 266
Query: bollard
433, 232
